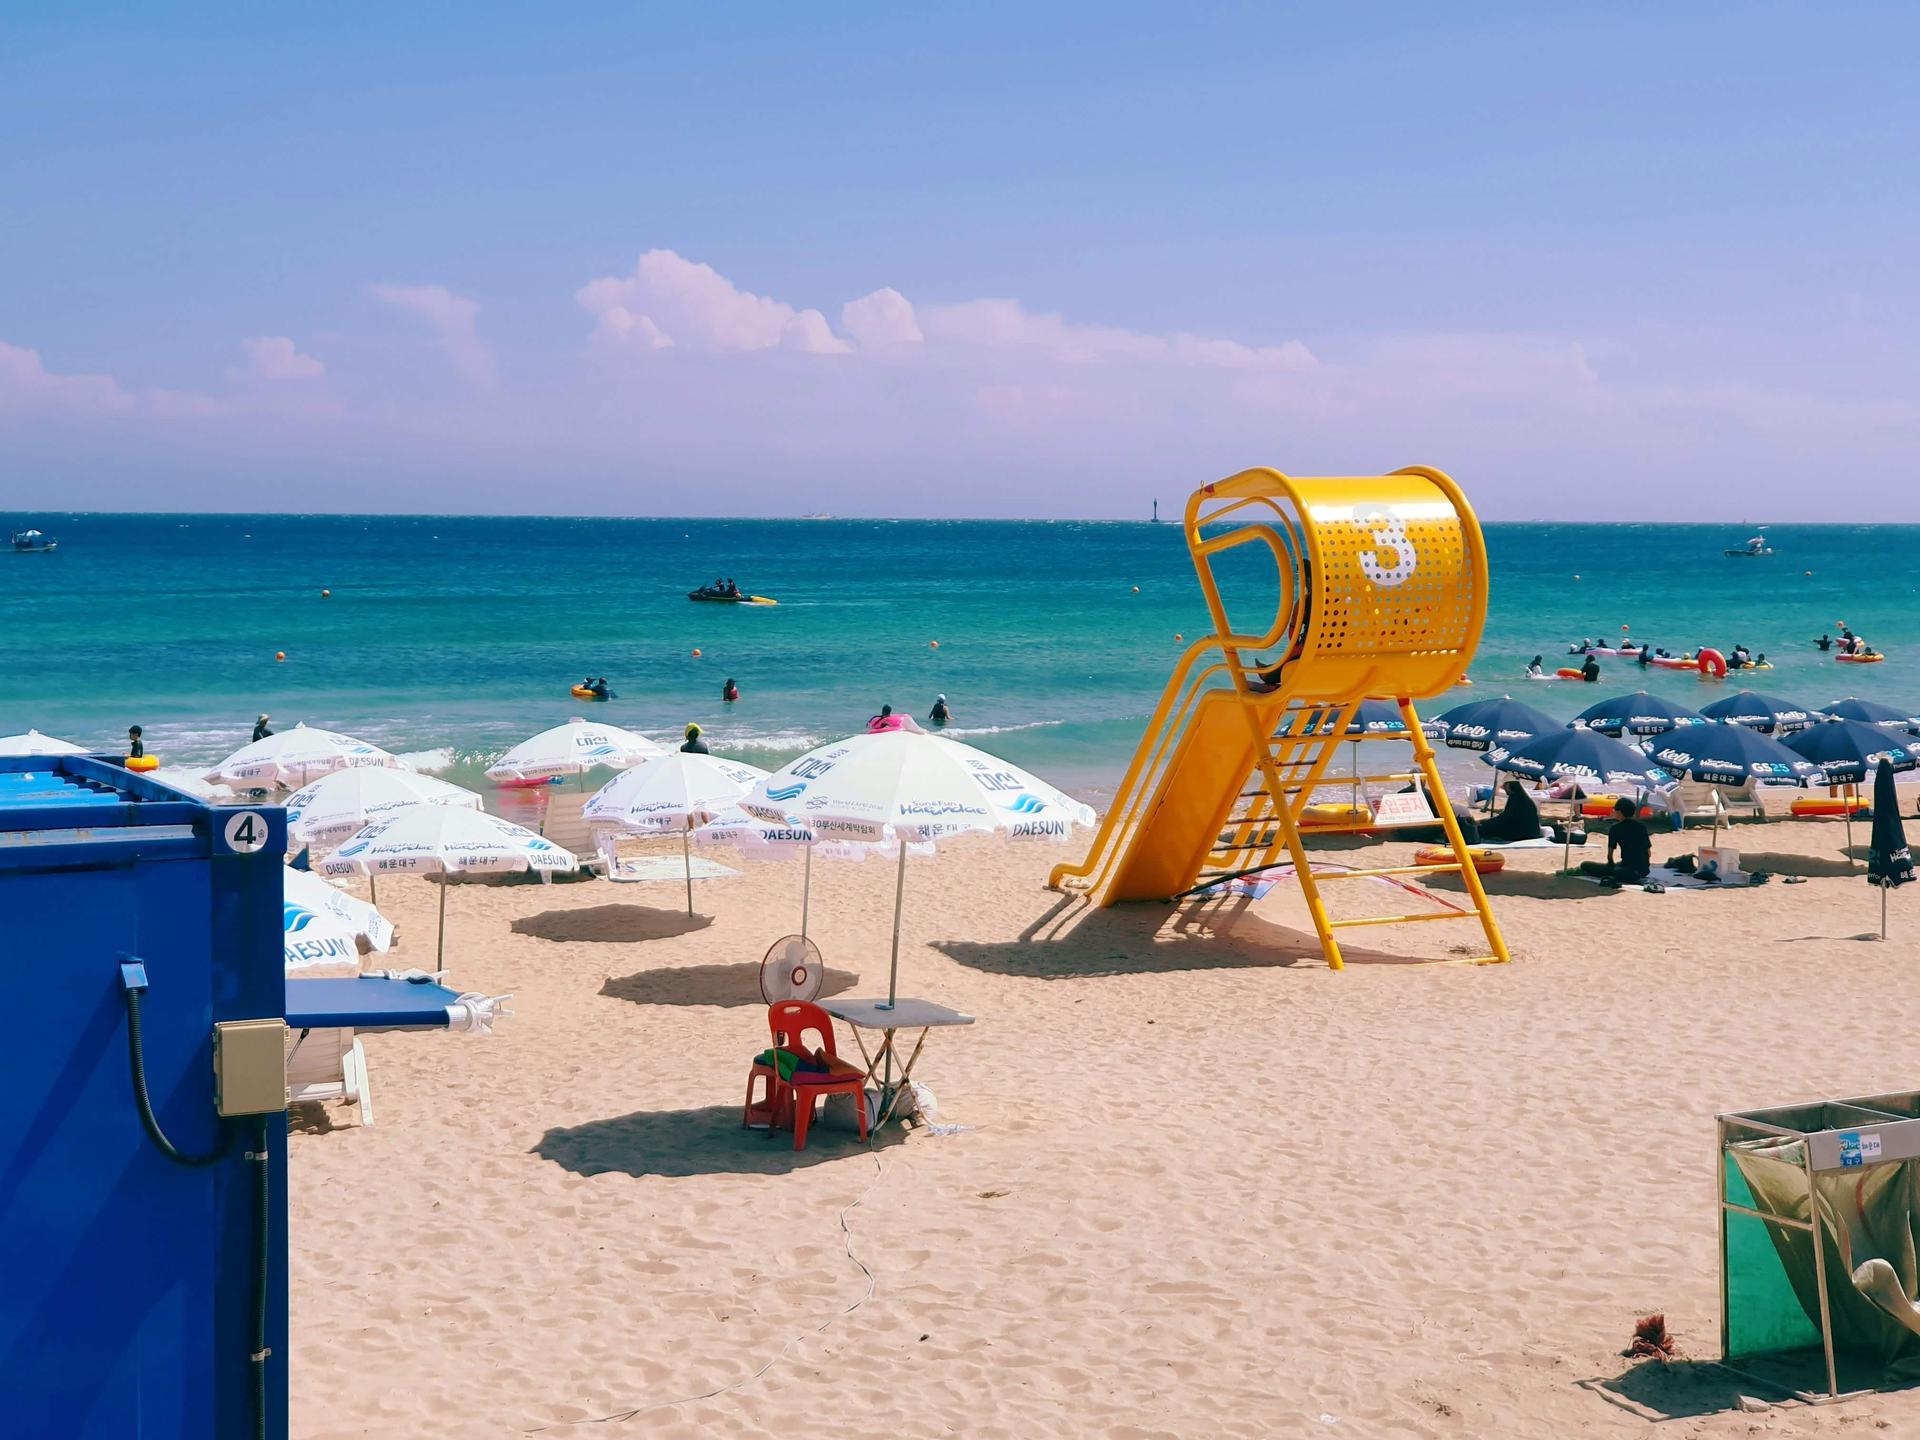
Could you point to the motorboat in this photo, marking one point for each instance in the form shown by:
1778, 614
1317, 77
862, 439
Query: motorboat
1754, 547
33, 542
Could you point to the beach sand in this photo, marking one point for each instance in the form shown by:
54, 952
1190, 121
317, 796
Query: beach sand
1211, 1188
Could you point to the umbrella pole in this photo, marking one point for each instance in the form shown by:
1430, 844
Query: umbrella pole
1883, 912
806, 892
686, 857
1850, 855
440, 947
893, 971
373, 888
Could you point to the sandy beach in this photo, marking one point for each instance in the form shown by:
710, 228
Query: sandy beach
1209, 1188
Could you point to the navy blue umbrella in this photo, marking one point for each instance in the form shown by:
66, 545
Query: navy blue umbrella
1582, 755
1372, 717
1848, 751
1730, 755
1765, 713
1637, 714
1871, 712
1487, 724
1888, 861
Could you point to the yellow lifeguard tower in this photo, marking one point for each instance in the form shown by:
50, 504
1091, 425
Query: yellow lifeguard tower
1382, 594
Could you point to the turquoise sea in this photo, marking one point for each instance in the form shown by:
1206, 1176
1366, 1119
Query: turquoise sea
460, 635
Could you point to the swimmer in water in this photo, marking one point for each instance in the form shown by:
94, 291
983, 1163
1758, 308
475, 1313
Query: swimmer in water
1536, 670
136, 747
729, 692
260, 730
940, 714
1590, 671
694, 745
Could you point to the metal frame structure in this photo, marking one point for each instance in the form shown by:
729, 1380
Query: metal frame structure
1382, 593
1829, 1131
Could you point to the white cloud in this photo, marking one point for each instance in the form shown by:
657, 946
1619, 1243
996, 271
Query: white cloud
1007, 324
27, 384
881, 321
453, 320
275, 357
670, 300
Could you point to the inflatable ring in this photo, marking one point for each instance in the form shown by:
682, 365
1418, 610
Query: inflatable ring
581, 692
1485, 862
141, 764
1334, 815
1828, 805
1711, 662
1860, 659
1563, 673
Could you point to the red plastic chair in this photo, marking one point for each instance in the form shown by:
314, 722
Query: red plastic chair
790, 1022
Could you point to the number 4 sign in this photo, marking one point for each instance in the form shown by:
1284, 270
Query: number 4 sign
246, 832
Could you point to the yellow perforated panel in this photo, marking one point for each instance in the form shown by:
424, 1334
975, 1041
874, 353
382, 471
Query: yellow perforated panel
1396, 582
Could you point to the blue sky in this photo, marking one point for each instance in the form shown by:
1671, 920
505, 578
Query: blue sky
1612, 262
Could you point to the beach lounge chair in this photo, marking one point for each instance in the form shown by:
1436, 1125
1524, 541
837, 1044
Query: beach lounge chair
326, 1017
1692, 799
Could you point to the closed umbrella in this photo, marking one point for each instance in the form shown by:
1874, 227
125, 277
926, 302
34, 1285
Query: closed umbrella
678, 792
1485, 725
445, 840
1848, 751
1768, 714
1637, 714
571, 749
34, 743
1870, 712
1585, 757
325, 926
291, 758
1888, 862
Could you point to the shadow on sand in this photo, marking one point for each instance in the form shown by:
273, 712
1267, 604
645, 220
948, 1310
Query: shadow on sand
1677, 1389
707, 985
610, 924
1076, 941
683, 1143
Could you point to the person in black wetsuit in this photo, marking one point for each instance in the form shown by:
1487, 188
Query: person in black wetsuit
940, 714
1825, 642
1631, 842
1536, 668
136, 747
599, 688
1519, 818
694, 744
1646, 656
1590, 671
260, 730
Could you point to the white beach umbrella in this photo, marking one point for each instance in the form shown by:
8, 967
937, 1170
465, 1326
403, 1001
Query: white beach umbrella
293, 757
915, 787
571, 749
335, 806
324, 926
444, 840
679, 792
34, 743
190, 782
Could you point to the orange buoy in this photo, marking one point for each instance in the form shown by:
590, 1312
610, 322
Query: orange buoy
1136, 589
279, 655
696, 652
1178, 636
326, 594
933, 644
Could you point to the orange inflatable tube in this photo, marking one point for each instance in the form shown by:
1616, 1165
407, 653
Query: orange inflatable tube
1485, 862
1828, 805
1712, 662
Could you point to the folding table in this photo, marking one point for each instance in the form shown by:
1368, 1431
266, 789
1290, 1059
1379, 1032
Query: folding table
905, 1013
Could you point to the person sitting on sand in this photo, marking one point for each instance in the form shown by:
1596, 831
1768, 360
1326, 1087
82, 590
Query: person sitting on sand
1630, 840
729, 692
1519, 818
1590, 671
1535, 669
940, 714
694, 745
260, 730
